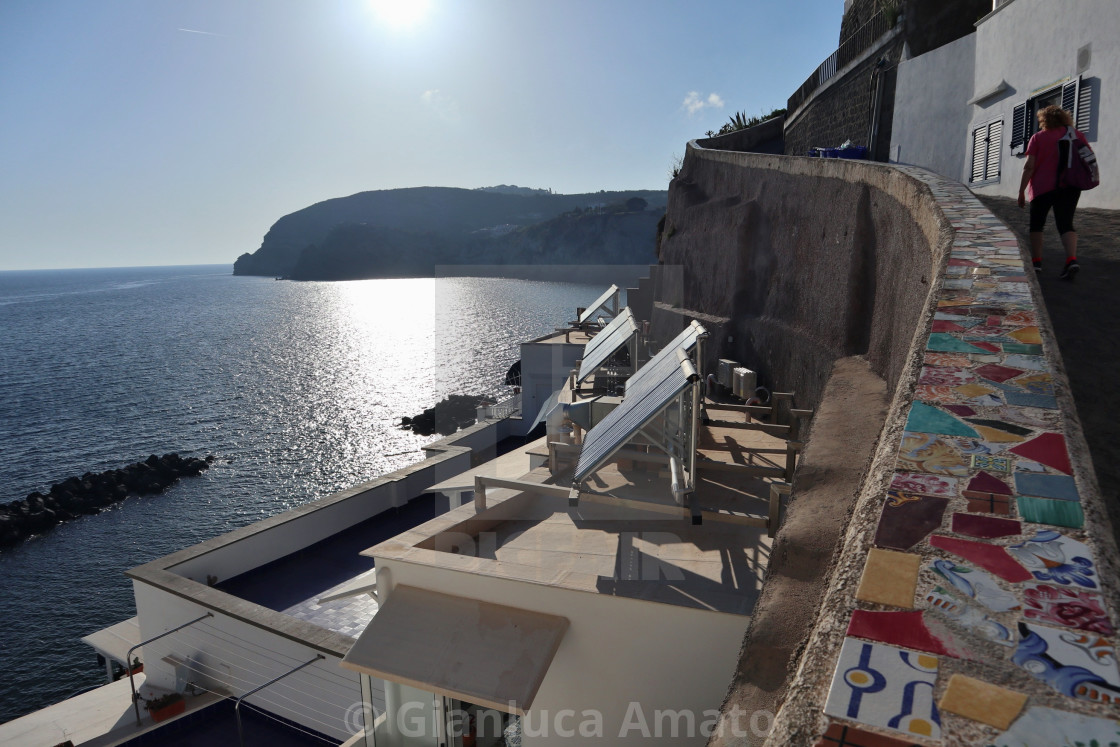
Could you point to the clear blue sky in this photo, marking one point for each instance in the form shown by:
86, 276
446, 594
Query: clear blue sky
156, 132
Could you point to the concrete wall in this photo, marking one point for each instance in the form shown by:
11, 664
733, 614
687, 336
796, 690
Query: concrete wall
544, 366
231, 656
931, 113
795, 262
1030, 45
766, 137
616, 651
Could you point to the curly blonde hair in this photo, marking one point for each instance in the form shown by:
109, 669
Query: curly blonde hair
1054, 117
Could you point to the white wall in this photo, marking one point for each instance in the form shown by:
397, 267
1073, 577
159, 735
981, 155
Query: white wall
1032, 44
240, 657
931, 114
616, 651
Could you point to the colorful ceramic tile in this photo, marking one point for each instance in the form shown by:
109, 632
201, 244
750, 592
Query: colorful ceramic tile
969, 617
924, 452
969, 446
911, 482
992, 463
947, 359
886, 687
1047, 486
986, 346
988, 331
974, 390
1049, 449
985, 527
1026, 465
1019, 317
938, 394
1073, 662
1026, 362
889, 578
945, 343
1015, 347
941, 325
924, 418
1036, 383
982, 701
1032, 418
990, 504
907, 519
902, 629
994, 435
1070, 608
1021, 398
989, 557
945, 376
998, 374
983, 482
1054, 558
976, 584
842, 735
1028, 335
1049, 726
961, 410
1048, 511
954, 262
1011, 428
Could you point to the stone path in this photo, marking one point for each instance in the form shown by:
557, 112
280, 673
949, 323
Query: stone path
985, 612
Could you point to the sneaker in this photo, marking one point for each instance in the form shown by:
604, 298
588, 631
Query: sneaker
1069, 272
1037, 266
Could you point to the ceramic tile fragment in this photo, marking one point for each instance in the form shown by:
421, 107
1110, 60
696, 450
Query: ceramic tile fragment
1054, 558
1021, 398
946, 343
945, 376
1016, 430
1036, 383
905, 630
991, 463
1028, 335
1048, 511
990, 557
1066, 607
1016, 347
889, 578
923, 452
985, 527
994, 435
940, 325
959, 360
998, 374
961, 410
982, 701
977, 584
1073, 662
1050, 726
990, 347
842, 735
924, 418
983, 482
1047, 486
912, 482
907, 518
1049, 449
1026, 362
990, 504
887, 687
969, 617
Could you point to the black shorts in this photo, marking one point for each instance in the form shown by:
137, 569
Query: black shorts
1063, 200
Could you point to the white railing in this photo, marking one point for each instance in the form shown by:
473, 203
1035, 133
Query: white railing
505, 409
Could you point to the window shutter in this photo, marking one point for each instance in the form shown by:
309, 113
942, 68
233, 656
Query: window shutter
1082, 117
1019, 126
979, 154
1069, 96
995, 139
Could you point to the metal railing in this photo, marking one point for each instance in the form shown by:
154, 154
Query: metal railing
502, 410
849, 49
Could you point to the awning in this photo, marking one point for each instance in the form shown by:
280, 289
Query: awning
600, 303
605, 344
483, 653
114, 641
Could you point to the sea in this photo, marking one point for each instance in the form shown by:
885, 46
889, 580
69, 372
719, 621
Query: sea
297, 389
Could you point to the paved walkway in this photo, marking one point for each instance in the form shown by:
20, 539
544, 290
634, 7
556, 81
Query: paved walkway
1087, 327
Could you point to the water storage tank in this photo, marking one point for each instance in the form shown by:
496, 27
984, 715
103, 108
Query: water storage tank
725, 373
745, 381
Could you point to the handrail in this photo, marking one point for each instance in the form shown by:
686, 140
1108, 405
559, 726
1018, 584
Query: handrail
237, 705
128, 660
848, 50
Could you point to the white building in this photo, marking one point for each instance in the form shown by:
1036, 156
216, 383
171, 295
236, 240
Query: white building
967, 109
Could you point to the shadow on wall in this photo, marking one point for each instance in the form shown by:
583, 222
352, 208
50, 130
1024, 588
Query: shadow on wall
793, 263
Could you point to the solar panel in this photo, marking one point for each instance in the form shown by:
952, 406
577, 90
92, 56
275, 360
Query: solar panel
607, 343
600, 302
686, 339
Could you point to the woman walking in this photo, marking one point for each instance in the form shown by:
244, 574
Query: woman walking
1046, 157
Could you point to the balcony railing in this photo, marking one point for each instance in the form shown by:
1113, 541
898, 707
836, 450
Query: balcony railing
502, 410
850, 49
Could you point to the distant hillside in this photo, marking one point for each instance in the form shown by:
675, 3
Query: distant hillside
402, 232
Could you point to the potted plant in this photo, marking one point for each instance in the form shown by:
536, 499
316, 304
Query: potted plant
136, 668
165, 706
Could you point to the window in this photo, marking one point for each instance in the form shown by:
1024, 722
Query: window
1075, 96
986, 141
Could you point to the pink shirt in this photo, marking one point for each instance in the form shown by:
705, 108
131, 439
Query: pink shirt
1044, 147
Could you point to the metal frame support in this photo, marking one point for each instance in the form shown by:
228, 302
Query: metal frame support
274, 680
128, 660
777, 490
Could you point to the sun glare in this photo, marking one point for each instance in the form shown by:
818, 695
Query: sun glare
400, 14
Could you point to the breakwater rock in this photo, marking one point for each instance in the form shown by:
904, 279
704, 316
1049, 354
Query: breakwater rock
449, 415
90, 493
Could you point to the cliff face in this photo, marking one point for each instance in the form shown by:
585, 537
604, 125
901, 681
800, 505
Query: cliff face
433, 225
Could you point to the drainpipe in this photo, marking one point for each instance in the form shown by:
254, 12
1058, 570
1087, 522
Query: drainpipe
876, 105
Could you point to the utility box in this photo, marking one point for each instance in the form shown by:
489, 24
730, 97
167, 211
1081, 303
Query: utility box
725, 373
744, 383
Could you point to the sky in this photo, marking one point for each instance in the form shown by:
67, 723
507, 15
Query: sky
176, 132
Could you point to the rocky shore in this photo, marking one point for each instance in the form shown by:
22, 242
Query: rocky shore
449, 415
90, 493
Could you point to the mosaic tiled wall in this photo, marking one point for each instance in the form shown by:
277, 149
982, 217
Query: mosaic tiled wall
979, 616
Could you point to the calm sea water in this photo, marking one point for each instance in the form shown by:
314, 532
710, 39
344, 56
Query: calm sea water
295, 387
